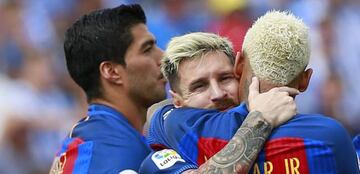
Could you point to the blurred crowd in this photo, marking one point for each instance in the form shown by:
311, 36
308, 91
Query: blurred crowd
39, 102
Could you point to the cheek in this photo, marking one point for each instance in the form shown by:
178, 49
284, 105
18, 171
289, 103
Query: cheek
233, 90
197, 101
146, 70
151, 69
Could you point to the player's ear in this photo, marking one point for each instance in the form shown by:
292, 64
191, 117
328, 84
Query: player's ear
112, 72
239, 64
177, 99
305, 80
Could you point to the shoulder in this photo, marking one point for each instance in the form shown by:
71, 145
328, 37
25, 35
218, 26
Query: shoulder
170, 117
312, 126
314, 139
80, 156
114, 143
315, 118
108, 132
155, 133
75, 153
205, 119
104, 128
192, 116
152, 109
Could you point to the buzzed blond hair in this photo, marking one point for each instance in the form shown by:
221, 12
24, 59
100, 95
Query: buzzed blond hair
192, 46
277, 46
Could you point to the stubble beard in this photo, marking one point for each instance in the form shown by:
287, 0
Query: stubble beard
145, 97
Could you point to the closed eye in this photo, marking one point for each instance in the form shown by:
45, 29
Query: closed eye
227, 78
198, 86
147, 46
148, 49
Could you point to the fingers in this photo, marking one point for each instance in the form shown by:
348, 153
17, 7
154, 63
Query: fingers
290, 91
287, 109
254, 88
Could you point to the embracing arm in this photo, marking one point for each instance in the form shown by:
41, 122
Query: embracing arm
268, 110
241, 151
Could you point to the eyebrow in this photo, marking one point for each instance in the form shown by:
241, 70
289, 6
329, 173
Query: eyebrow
226, 73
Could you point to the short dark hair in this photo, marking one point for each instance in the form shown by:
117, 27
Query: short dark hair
102, 35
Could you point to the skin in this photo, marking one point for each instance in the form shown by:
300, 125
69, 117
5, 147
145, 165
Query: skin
243, 70
213, 87
143, 60
131, 89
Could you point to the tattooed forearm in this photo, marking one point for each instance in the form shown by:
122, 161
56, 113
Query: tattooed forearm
241, 151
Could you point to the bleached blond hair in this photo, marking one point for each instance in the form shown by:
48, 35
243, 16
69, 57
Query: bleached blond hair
192, 46
277, 46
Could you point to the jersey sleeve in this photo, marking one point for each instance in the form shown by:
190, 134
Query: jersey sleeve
165, 161
197, 134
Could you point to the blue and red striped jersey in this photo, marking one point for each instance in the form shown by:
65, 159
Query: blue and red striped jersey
103, 142
308, 143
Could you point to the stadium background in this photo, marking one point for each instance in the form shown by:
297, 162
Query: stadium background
39, 102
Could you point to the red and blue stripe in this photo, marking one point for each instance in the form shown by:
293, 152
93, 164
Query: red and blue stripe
75, 155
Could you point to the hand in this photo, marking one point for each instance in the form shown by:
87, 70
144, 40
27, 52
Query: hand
276, 105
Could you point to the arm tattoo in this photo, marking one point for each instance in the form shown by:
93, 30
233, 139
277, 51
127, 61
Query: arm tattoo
242, 150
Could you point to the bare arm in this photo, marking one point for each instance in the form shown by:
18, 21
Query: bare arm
241, 151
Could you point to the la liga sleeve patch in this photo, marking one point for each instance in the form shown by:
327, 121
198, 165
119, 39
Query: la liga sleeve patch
166, 158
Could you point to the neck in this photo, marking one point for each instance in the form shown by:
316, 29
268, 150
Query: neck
133, 113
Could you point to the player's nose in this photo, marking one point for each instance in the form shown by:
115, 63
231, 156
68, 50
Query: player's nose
217, 93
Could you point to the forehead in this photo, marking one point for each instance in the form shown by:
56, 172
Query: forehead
210, 65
